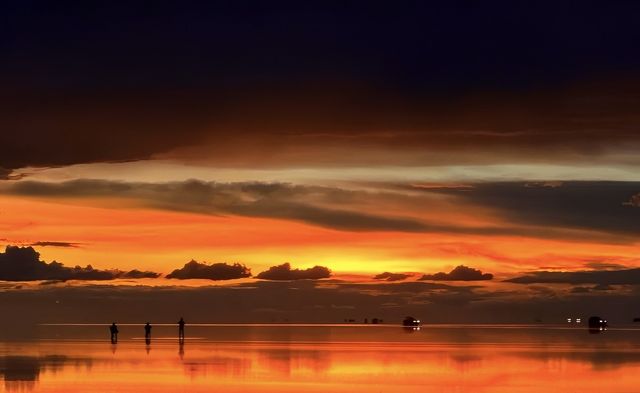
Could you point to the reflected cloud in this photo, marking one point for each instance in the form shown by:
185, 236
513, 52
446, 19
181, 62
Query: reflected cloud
21, 373
292, 356
287, 361
216, 366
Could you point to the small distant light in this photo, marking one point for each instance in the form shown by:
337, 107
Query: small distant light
578, 320
569, 320
418, 321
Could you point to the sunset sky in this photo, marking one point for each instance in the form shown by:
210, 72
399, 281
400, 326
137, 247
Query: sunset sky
346, 139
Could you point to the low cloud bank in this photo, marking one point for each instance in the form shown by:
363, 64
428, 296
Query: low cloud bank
459, 273
24, 264
285, 272
215, 271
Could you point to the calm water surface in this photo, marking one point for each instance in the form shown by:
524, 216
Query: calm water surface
328, 358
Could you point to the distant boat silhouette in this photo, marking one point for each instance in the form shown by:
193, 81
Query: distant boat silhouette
410, 321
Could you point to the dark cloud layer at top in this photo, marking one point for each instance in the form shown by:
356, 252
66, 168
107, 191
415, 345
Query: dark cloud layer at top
215, 271
285, 272
459, 273
130, 90
600, 277
24, 264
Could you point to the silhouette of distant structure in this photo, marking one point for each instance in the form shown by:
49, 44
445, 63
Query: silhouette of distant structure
113, 329
597, 323
349, 320
181, 329
410, 321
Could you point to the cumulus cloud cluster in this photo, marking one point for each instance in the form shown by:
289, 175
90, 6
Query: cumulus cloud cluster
388, 276
459, 273
24, 264
284, 272
215, 271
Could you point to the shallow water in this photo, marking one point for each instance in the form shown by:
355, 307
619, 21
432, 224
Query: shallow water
323, 358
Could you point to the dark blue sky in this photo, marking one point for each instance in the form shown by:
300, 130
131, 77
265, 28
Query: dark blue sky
105, 81
411, 47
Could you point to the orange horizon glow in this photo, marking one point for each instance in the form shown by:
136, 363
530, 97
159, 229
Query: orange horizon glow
111, 233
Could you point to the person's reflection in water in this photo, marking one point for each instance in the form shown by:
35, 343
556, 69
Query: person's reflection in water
114, 333
181, 329
181, 349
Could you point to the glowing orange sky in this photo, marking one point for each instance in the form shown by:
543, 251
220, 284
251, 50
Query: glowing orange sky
114, 233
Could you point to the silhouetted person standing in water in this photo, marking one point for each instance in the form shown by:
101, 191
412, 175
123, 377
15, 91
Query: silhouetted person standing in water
181, 329
147, 333
114, 333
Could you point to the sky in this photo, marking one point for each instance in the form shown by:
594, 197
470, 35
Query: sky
464, 162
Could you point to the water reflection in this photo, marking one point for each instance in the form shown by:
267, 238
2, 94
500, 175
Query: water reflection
21, 373
463, 360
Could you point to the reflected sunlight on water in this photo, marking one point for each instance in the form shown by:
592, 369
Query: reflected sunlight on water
324, 358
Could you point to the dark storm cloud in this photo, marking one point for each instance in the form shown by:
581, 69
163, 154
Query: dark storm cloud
269, 200
54, 244
129, 90
330, 207
599, 277
459, 273
215, 271
24, 264
388, 276
285, 272
581, 205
